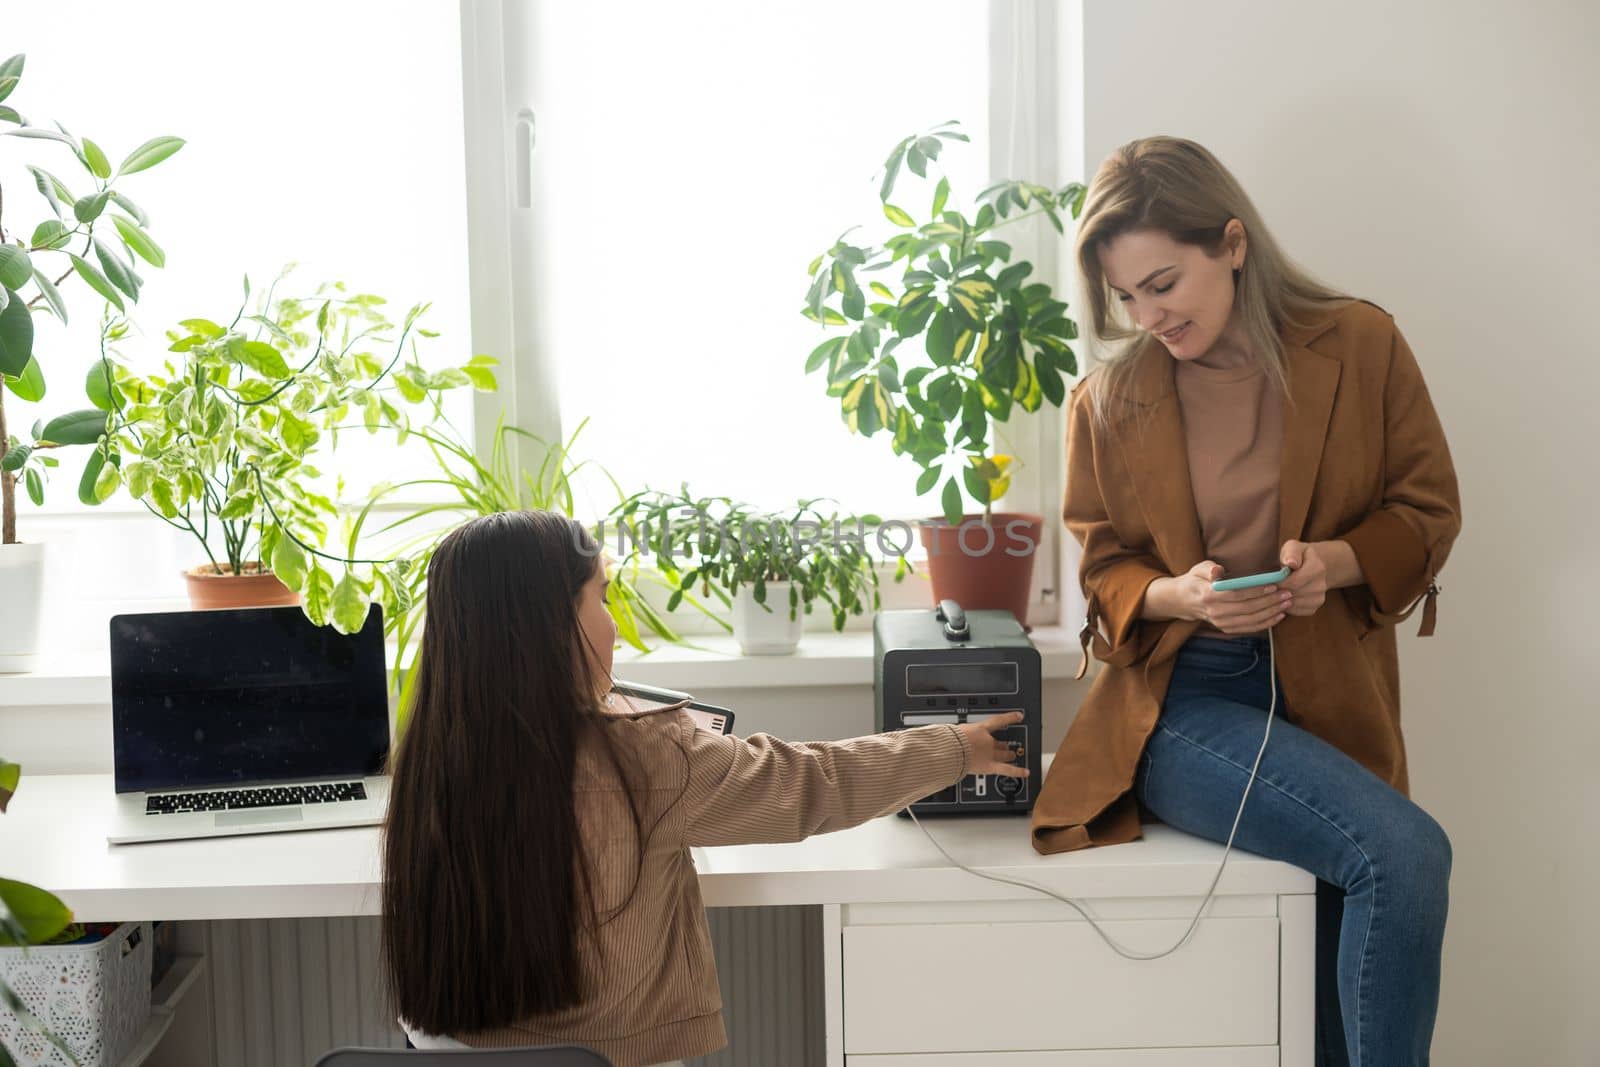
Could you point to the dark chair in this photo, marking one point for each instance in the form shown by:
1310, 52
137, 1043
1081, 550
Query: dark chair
543, 1056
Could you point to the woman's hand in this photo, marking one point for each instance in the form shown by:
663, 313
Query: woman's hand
989, 754
1308, 585
1190, 596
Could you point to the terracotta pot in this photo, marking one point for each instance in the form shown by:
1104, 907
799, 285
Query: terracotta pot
257, 587
984, 568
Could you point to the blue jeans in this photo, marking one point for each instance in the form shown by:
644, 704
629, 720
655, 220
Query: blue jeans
1382, 863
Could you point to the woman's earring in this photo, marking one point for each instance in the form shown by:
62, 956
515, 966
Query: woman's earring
1236, 272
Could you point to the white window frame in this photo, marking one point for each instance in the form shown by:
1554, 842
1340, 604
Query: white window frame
1027, 38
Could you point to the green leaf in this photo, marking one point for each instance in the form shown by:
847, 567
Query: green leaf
97, 281
89, 208
41, 134
120, 273
108, 481
91, 476
50, 188
10, 775
941, 194
318, 594
289, 562
77, 428
16, 336
50, 234
160, 497
898, 216
951, 502
10, 114
100, 383
99, 165
976, 485
260, 357
824, 353
10, 74
52, 295
30, 385
39, 914
891, 170
15, 267
349, 605
35, 485
137, 212
928, 479
149, 154
204, 327
141, 243
16, 456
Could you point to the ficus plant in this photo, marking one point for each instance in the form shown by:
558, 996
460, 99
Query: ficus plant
98, 238
224, 440
950, 338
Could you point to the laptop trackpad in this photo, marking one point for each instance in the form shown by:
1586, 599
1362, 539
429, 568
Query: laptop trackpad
256, 818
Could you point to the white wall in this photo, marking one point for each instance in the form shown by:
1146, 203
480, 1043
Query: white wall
1441, 159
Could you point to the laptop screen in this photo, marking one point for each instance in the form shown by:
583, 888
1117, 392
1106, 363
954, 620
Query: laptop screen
208, 698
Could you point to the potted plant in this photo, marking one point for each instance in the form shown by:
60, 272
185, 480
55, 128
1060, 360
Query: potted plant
978, 339
28, 916
97, 237
484, 486
222, 442
769, 568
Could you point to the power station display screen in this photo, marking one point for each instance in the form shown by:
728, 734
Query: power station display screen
954, 679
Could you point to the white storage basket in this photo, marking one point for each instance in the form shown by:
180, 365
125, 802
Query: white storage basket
95, 997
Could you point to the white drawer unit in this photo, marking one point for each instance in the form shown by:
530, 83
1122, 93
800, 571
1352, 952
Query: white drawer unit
975, 986
1027, 982
1259, 1056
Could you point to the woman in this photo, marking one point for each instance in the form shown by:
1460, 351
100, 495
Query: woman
538, 886
1252, 418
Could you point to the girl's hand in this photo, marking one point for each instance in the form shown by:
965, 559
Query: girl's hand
1308, 585
1244, 611
989, 754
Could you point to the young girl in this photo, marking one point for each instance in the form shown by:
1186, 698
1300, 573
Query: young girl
1253, 418
538, 887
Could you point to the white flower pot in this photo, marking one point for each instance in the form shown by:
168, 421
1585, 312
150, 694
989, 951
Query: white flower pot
21, 601
766, 633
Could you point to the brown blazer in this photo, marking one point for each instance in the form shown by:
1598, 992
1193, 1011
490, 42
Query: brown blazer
1364, 461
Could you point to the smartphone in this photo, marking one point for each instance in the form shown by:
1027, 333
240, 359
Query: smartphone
1251, 581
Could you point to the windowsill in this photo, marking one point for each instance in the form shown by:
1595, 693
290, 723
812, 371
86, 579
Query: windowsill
82, 676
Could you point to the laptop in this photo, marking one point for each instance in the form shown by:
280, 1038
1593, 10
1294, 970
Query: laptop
246, 721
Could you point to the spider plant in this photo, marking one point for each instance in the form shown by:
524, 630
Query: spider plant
485, 486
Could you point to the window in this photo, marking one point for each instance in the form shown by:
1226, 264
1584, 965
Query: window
691, 160
669, 171
324, 134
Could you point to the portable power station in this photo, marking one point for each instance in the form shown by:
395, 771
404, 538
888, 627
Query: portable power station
946, 665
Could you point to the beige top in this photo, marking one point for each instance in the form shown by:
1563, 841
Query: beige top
650, 972
1233, 428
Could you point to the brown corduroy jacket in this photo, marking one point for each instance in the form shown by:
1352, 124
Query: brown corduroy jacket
1364, 461
649, 972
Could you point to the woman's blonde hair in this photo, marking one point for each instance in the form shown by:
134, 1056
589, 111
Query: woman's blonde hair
1176, 187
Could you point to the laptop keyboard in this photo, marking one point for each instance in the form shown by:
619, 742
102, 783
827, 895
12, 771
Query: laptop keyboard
264, 797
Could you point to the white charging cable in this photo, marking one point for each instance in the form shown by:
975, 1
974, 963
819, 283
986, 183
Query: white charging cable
1119, 949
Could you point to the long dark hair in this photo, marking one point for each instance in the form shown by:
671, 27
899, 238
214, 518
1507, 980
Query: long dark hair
485, 885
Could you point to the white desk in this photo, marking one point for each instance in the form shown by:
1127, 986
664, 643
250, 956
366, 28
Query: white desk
920, 957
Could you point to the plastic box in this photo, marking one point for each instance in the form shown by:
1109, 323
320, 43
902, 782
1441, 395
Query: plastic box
94, 996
